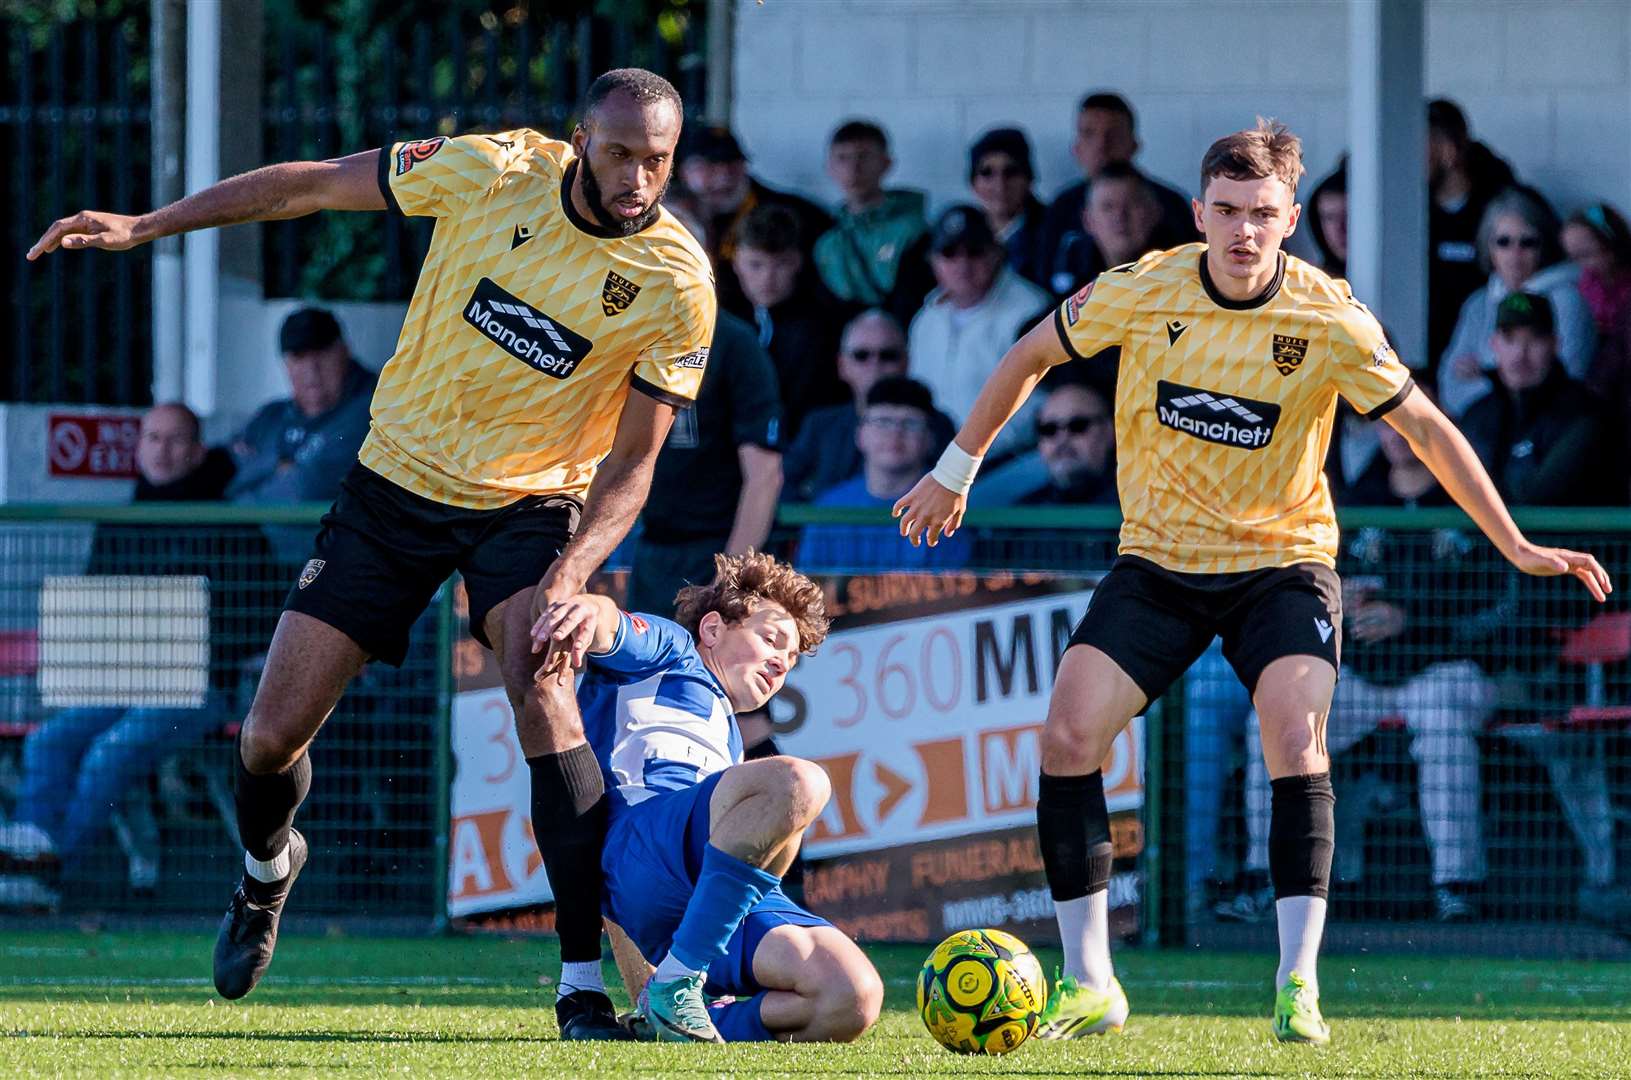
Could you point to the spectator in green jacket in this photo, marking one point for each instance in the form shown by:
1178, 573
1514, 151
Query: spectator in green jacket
875, 253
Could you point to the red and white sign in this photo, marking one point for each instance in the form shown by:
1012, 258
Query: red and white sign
103, 447
931, 728
493, 860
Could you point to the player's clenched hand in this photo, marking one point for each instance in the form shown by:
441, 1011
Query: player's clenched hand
88, 229
1552, 562
928, 511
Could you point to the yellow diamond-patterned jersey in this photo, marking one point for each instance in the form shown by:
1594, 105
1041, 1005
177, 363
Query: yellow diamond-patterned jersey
1224, 409
530, 324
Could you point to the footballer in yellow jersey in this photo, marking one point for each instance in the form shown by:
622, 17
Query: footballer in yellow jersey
560, 318
1232, 356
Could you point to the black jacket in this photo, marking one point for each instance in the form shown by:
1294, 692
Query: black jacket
1549, 446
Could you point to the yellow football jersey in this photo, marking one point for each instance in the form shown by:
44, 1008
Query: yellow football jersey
529, 326
1224, 408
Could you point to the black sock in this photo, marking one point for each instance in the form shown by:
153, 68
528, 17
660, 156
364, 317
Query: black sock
569, 822
1073, 825
267, 803
1302, 834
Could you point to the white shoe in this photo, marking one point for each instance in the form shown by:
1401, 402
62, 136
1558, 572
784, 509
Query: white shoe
21, 892
26, 840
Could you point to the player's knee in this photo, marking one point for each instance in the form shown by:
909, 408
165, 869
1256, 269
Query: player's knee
809, 787
267, 747
851, 1002
1293, 744
1072, 744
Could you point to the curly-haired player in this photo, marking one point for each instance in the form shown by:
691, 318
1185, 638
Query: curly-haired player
698, 839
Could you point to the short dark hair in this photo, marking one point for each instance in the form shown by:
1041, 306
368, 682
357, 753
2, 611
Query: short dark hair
647, 88
186, 412
901, 390
773, 229
854, 131
1122, 170
1445, 117
1268, 148
1105, 101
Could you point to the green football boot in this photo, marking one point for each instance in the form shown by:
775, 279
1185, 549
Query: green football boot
1075, 1011
1297, 1013
677, 1012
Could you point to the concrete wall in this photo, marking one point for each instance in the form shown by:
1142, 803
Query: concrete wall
1547, 85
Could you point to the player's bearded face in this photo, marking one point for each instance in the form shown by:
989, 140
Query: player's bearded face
1245, 222
750, 658
619, 204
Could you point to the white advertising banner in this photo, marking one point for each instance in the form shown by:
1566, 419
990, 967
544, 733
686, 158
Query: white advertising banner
931, 727
493, 861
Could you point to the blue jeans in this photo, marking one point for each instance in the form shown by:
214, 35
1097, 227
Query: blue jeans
78, 764
1216, 707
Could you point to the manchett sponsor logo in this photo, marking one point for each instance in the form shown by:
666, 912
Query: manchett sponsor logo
524, 332
1215, 417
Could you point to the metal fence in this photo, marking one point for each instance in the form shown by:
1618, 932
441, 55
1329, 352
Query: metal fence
131, 639
1479, 735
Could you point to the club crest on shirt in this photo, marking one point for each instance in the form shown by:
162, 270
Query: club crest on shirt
1289, 353
310, 572
617, 294
412, 153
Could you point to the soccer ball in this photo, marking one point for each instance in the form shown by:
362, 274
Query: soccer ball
981, 992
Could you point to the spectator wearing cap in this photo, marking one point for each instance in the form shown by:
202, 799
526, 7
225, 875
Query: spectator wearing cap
1463, 177
1517, 243
1120, 218
873, 347
1106, 135
297, 449
1597, 239
795, 322
896, 441
714, 169
1541, 434
875, 253
978, 309
1001, 176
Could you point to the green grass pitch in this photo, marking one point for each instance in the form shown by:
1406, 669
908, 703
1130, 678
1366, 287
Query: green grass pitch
104, 1004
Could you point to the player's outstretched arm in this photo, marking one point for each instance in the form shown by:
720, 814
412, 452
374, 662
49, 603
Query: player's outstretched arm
615, 497
289, 190
1447, 453
935, 506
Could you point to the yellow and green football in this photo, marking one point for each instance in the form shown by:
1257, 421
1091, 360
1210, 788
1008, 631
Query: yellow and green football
981, 992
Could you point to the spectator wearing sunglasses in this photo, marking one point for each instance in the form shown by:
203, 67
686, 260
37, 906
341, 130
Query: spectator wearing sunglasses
1598, 241
1000, 174
1517, 244
873, 347
1076, 435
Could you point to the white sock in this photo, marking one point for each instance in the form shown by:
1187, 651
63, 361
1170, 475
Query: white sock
1302, 924
671, 969
579, 975
268, 870
1084, 928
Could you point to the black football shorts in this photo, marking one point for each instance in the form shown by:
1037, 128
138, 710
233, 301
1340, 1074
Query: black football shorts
1154, 623
383, 551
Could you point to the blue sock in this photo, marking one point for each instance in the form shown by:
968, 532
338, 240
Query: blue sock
740, 1021
726, 889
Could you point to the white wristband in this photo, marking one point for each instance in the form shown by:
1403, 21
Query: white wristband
955, 470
